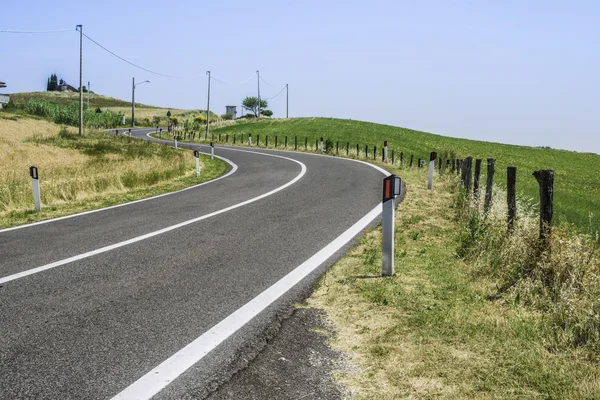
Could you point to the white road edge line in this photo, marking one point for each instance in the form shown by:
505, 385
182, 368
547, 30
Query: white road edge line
161, 376
166, 372
158, 232
234, 168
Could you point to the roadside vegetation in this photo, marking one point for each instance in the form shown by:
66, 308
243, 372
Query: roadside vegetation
63, 108
80, 173
577, 175
472, 311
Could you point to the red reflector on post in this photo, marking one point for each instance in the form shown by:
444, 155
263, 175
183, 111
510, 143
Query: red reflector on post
388, 187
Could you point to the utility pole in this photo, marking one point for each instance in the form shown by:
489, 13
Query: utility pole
133, 85
80, 78
208, 105
258, 80
287, 100
133, 102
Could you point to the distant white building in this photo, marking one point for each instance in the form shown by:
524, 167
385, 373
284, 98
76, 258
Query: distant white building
231, 110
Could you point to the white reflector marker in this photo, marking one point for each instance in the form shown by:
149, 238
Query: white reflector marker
35, 183
432, 157
212, 150
391, 188
197, 156
385, 151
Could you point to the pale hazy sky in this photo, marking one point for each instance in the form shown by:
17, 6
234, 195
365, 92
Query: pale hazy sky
514, 71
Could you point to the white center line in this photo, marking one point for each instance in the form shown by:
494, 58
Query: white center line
166, 372
158, 232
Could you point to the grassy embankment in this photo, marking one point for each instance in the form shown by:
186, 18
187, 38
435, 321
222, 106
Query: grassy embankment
441, 328
577, 175
144, 114
84, 173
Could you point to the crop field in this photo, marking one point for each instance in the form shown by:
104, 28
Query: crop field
577, 175
79, 173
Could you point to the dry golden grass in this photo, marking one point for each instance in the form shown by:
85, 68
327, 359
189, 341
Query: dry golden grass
83, 173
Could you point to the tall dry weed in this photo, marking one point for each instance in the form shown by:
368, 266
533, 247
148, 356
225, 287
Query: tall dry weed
559, 277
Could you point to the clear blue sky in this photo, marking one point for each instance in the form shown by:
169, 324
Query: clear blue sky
511, 71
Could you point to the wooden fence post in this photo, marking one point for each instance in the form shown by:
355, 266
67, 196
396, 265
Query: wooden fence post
401, 157
476, 180
392, 156
357, 150
511, 195
305, 143
491, 169
374, 152
347, 148
545, 179
411, 160
467, 174
454, 165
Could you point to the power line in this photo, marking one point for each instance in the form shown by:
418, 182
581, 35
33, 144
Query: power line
138, 66
282, 89
53, 31
262, 79
235, 83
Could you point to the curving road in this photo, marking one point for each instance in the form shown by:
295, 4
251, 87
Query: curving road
163, 297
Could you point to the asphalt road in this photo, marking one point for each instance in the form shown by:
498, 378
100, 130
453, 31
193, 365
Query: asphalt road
91, 322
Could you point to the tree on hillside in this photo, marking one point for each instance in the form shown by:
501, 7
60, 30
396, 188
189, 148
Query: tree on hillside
54, 82
251, 104
266, 113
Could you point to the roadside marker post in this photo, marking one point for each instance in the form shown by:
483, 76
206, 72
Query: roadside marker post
321, 145
129, 132
250, 139
385, 151
391, 188
212, 150
160, 132
175, 138
197, 156
432, 157
33, 172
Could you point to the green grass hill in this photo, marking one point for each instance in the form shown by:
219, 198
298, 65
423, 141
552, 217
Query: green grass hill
577, 175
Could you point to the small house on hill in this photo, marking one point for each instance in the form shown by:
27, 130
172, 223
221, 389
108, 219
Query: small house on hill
4, 98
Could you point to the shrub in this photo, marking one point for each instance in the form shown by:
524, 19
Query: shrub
328, 146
